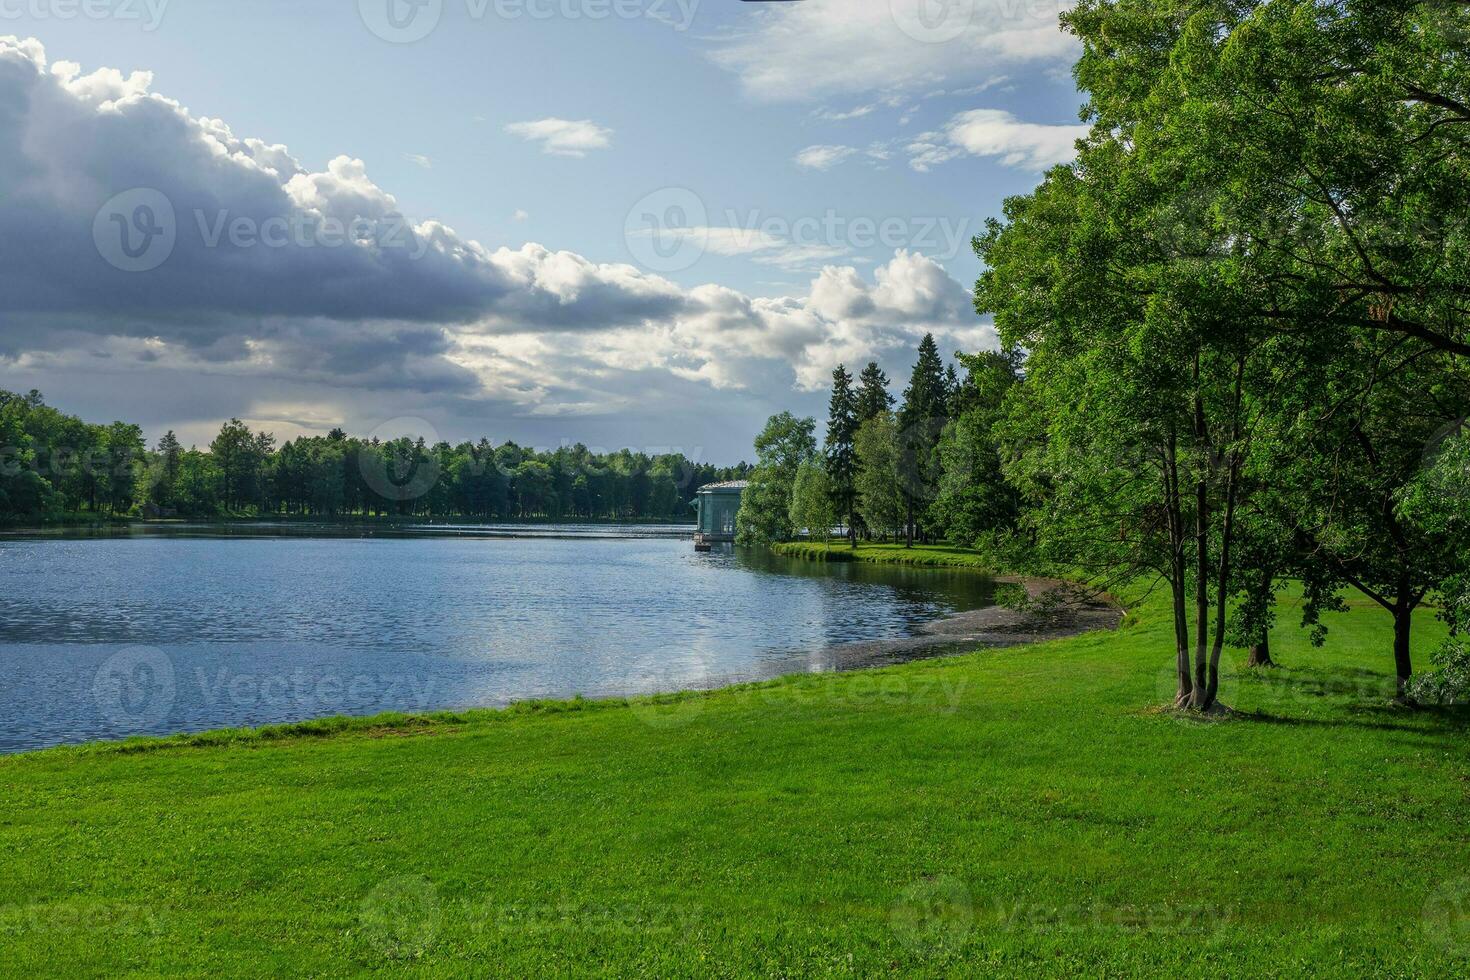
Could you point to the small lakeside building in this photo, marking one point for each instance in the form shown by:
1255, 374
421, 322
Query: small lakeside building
716, 505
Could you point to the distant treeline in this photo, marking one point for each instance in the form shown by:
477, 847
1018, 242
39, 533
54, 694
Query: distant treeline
52, 463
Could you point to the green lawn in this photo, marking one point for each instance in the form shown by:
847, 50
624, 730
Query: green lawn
1022, 811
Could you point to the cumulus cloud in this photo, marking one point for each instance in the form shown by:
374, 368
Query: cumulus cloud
996, 133
820, 49
563, 137
306, 294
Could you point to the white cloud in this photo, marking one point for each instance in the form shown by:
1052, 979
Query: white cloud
519, 214
563, 137
996, 133
401, 317
823, 157
419, 159
820, 49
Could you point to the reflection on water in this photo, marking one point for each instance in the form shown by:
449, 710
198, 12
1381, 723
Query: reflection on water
196, 626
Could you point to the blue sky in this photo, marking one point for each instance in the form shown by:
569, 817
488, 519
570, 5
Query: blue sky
812, 171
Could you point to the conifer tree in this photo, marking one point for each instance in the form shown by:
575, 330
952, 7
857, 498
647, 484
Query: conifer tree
841, 458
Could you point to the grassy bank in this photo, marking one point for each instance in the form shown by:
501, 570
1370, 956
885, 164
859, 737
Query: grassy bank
932, 555
1018, 811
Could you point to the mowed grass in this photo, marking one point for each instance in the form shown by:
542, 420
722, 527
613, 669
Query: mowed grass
1015, 812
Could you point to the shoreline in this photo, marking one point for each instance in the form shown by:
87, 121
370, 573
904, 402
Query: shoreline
993, 627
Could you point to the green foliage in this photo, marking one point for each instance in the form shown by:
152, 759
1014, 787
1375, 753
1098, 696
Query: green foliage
879, 492
840, 451
921, 420
975, 499
873, 398
812, 504
1242, 306
1438, 501
765, 506
52, 463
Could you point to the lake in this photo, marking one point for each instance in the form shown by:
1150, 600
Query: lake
164, 629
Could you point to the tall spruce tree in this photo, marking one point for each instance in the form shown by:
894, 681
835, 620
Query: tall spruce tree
841, 457
873, 398
920, 422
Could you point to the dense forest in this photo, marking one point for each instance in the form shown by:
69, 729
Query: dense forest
53, 464
1235, 335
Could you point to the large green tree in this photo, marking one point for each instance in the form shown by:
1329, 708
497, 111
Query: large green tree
921, 419
879, 491
812, 505
765, 506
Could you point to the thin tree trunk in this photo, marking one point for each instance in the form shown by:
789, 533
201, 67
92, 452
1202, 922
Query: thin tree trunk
1260, 651
1403, 618
1222, 585
1201, 553
1227, 534
1177, 570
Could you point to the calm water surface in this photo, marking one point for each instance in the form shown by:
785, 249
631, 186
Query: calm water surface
192, 628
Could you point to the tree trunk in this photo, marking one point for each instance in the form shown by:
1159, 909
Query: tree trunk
1177, 571
1201, 595
1403, 616
1222, 578
1260, 652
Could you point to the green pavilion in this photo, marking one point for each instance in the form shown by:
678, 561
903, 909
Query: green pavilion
716, 505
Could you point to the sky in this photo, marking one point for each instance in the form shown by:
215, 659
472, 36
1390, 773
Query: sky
625, 223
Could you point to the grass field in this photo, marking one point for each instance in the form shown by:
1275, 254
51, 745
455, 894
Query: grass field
1024, 811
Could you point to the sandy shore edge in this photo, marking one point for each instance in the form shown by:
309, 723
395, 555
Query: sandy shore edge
1058, 609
